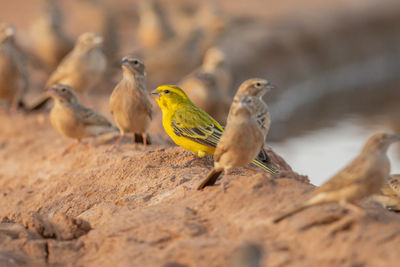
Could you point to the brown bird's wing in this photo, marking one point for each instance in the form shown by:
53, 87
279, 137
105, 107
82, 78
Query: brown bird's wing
89, 117
353, 173
197, 126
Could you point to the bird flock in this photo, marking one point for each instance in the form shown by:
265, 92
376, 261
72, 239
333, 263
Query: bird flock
192, 111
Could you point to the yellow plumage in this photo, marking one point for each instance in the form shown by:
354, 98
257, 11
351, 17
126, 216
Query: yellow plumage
189, 126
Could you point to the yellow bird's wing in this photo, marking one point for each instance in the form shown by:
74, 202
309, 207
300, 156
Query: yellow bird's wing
197, 126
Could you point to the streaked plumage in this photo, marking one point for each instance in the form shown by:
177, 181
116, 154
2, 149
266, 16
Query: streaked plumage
258, 88
389, 195
130, 102
361, 178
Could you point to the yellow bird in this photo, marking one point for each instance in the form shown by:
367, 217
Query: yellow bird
189, 126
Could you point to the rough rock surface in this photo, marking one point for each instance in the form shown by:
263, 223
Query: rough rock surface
98, 208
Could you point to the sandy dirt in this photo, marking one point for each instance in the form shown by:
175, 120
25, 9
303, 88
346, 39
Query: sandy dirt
139, 207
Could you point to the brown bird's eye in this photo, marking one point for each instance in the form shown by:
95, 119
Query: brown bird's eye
258, 84
135, 62
63, 90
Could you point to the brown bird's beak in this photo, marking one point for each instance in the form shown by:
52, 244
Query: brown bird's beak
98, 39
155, 93
52, 91
271, 85
396, 137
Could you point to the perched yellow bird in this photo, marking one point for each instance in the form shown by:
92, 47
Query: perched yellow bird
189, 126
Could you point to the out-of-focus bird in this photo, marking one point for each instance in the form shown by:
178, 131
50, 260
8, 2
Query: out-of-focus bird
361, 178
49, 42
240, 142
154, 28
130, 102
106, 23
188, 125
389, 195
74, 120
176, 57
84, 66
14, 80
247, 255
81, 69
208, 85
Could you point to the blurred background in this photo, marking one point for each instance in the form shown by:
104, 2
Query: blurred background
336, 63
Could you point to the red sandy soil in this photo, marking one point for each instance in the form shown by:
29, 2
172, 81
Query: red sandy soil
139, 207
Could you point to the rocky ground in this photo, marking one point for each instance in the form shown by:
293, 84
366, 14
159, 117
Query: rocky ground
139, 207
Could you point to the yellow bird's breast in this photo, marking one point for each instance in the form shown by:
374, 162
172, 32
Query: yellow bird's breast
197, 148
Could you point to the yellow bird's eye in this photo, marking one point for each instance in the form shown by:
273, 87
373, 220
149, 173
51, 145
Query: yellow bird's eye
166, 91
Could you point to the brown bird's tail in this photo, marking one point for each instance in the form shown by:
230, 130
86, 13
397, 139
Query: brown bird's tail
290, 213
39, 103
210, 179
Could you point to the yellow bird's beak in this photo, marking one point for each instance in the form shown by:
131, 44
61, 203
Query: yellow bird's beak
155, 93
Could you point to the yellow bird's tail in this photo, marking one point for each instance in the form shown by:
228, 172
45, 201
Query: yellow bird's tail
264, 166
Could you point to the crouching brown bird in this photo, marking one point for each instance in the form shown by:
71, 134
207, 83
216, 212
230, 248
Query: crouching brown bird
81, 69
130, 102
74, 120
241, 141
361, 178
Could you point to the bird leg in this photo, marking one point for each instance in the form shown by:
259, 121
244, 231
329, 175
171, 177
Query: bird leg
68, 148
134, 141
225, 181
115, 145
144, 136
356, 208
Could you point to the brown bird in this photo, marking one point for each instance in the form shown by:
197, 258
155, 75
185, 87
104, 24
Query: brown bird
361, 178
154, 28
14, 80
240, 142
258, 88
81, 69
50, 43
207, 86
389, 195
74, 120
130, 102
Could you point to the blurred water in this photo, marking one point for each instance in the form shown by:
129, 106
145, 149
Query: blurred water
321, 153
